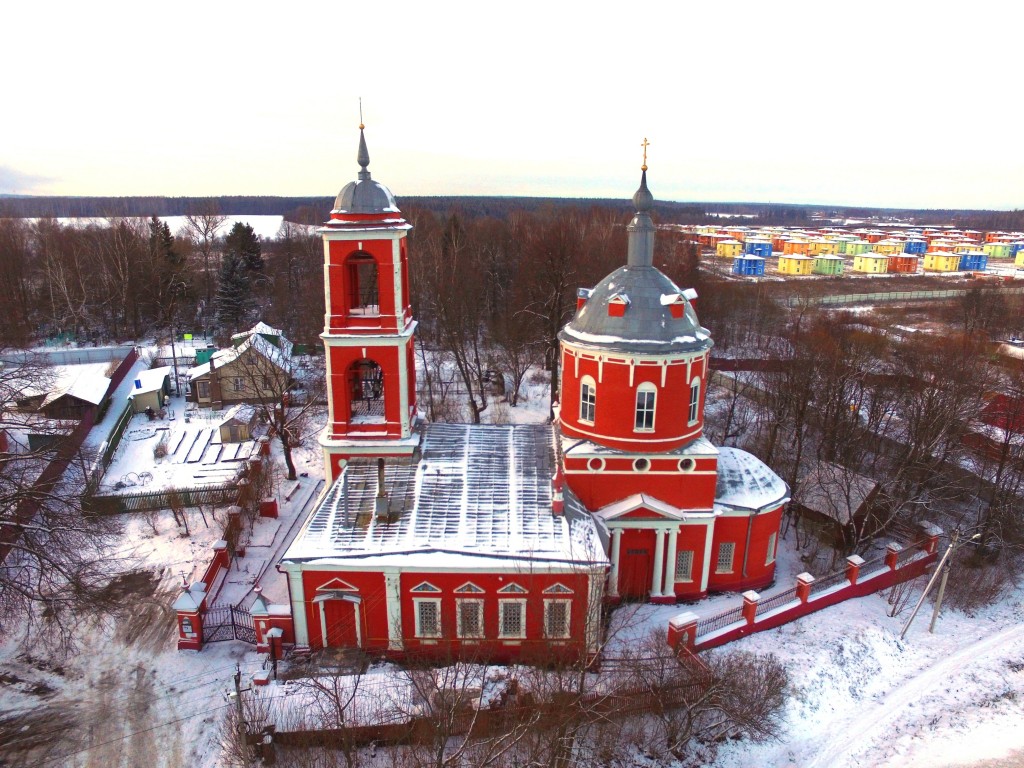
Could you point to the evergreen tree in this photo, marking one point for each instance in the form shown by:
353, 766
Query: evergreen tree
244, 242
234, 291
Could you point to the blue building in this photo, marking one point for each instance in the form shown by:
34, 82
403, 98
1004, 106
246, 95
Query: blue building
973, 261
762, 248
750, 266
916, 247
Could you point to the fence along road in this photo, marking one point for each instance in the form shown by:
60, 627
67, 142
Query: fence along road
883, 296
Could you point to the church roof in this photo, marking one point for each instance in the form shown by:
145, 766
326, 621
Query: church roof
477, 492
746, 483
364, 195
649, 324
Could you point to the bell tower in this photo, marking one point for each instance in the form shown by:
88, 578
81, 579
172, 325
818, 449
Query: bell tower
368, 325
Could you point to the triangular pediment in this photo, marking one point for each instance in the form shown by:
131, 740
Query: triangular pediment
336, 585
639, 505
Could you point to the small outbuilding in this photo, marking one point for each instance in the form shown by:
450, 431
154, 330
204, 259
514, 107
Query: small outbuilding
150, 388
834, 502
238, 424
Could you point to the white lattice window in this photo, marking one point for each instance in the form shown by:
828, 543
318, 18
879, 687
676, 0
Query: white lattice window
772, 542
203, 388
512, 619
726, 555
556, 618
684, 565
238, 384
694, 401
645, 397
470, 617
428, 616
588, 400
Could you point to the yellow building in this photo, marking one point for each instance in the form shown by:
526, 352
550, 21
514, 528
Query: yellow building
795, 264
941, 261
871, 263
821, 248
888, 247
727, 249
1019, 261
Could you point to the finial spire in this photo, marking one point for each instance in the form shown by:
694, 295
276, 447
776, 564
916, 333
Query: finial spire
645, 145
363, 158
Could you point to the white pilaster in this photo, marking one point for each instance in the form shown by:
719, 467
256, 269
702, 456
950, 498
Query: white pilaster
297, 597
613, 579
709, 535
394, 609
659, 560
669, 589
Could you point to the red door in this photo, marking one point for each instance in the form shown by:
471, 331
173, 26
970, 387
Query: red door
634, 573
340, 616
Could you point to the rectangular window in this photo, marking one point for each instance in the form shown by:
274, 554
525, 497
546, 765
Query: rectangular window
470, 615
726, 553
238, 384
428, 617
588, 403
268, 384
645, 410
684, 565
556, 618
511, 618
694, 400
772, 541
203, 388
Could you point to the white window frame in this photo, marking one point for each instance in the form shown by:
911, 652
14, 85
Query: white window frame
588, 400
642, 410
720, 564
422, 602
471, 633
549, 603
773, 542
518, 604
694, 401
681, 557
237, 384
203, 389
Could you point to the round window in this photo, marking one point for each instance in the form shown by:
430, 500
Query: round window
641, 465
687, 465
595, 465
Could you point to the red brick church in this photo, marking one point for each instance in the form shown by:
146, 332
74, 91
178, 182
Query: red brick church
504, 542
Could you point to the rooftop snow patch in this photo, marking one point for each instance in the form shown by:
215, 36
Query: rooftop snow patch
478, 491
745, 482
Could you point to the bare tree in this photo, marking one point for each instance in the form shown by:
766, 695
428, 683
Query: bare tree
203, 228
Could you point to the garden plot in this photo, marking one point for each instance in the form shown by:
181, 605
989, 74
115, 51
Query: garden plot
161, 454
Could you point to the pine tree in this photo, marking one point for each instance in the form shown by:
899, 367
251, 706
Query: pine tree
234, 291
243, 241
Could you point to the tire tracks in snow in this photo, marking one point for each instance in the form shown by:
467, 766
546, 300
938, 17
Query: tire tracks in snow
858, 733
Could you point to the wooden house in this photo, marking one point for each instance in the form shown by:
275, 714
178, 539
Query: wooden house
150, 388
834, 502
257, 366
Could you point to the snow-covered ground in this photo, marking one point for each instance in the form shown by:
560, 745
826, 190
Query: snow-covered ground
264, 226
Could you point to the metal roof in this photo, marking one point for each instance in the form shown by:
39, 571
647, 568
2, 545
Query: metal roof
477, 490
364, 195
647, 326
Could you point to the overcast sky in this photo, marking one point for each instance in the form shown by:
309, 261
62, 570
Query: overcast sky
913, 104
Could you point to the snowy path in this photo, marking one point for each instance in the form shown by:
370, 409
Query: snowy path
863, 730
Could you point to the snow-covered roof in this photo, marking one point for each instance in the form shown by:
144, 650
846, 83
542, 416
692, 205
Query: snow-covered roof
834, 491
480, 492
83, 383
242, 412
260, 327
149, 380
746, 483
280, 356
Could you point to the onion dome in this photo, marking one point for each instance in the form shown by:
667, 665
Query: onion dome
637, 308
364, 195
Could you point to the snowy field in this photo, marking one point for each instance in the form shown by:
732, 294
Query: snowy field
266, 227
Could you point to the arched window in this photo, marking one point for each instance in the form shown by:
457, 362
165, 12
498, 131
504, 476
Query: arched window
366, 388
646, 394
694, 401
588, 400
363, 298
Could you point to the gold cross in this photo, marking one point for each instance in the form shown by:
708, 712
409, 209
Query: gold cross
645, 145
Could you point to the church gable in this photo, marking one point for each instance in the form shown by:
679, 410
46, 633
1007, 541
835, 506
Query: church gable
640, 506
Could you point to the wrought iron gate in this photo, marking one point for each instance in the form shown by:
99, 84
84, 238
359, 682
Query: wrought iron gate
226, 622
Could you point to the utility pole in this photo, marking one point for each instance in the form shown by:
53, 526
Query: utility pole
242, 737
953, 544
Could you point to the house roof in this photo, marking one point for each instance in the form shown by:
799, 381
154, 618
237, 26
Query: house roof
242, 413
278, 355
149, 380
835, 491
79, 382
477, 492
